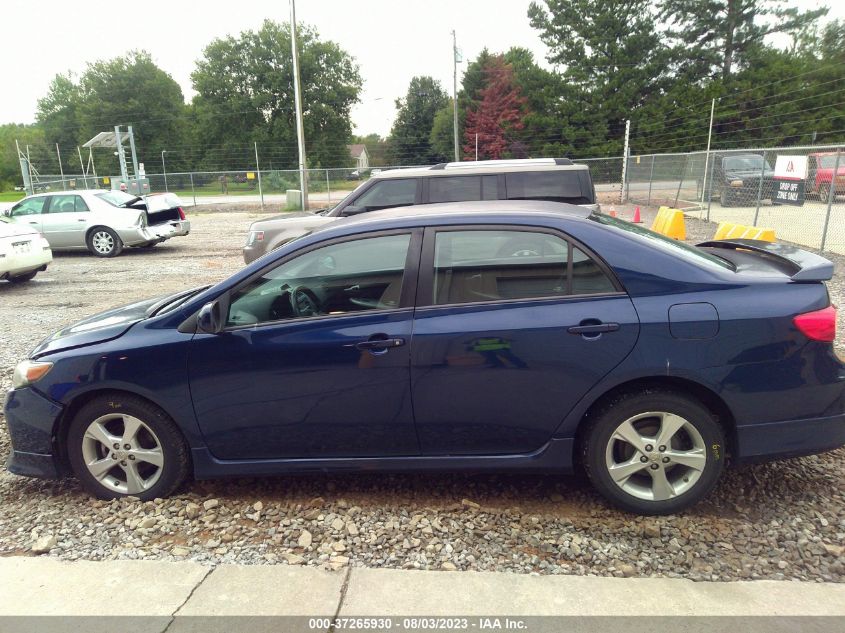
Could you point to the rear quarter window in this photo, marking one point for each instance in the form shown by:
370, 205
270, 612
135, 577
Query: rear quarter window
553, 185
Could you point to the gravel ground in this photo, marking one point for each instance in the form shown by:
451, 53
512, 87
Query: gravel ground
782, 521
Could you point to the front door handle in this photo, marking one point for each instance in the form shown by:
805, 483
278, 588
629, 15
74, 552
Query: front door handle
379, 344
592, 328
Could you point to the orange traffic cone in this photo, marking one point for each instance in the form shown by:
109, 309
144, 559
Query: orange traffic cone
637, 218
612, 212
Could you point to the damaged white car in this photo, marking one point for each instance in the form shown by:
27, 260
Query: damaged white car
101, 221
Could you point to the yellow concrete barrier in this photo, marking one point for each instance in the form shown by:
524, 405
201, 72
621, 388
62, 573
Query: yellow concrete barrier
670, 222
729, 231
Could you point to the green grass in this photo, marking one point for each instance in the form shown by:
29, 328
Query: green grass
11, 196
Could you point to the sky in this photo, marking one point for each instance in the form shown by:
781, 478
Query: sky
391, 40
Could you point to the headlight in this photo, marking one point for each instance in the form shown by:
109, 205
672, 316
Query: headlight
28, 372
736, 183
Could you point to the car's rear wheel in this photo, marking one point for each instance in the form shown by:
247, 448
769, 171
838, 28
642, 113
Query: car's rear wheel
122, 445
824, 192
103, 242
25, 277
654, 452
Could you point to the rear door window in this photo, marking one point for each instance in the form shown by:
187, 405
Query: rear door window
554, 186
476, 266
67, 204
462, 188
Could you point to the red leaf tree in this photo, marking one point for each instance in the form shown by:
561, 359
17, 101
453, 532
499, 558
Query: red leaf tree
499, 111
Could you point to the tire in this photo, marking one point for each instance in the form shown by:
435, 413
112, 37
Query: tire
695, 452
25, 277
156, 463
725, 198
103, 242
824, 193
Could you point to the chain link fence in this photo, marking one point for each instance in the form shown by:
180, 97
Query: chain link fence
723, 186
739, 186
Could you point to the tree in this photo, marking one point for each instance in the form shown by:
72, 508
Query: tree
499, 113
714, 37
442, 136
10, 168
127, 90
58, 112
611, 60
410, 137
245, 93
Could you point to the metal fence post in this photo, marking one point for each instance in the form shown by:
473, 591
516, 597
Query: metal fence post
193, 191
650, 180
258, 172
709, 193
831, 195
328, 187
760, 189
681, 181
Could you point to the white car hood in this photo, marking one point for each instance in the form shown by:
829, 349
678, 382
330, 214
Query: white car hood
10, 229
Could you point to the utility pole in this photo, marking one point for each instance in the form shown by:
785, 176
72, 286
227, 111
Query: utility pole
61, 169
625, 161
300, 133
707, 155
455, 62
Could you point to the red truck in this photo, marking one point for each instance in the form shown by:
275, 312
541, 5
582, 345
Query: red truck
820, 168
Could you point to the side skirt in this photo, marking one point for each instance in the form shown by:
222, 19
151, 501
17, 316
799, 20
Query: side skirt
556, 456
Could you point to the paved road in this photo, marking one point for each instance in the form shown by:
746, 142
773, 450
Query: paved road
172, 595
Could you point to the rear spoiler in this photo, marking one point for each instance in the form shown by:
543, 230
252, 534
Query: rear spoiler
807, 266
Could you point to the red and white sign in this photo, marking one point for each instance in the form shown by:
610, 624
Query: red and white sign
791, 168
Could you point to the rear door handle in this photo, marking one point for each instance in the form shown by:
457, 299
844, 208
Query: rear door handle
593, 328
379, 343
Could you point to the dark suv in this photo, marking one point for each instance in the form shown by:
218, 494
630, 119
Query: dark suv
736, 179
550, 179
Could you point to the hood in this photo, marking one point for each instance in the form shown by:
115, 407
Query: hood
284, 216
11, 229
96, 329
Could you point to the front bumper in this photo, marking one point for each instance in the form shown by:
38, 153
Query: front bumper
792, 438
31, 419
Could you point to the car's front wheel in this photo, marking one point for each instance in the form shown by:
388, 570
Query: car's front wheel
121, 445
654, 452
103, 242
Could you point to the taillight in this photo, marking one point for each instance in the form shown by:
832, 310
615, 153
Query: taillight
181, 213
819, 325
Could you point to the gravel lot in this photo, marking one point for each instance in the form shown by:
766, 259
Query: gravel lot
782, 520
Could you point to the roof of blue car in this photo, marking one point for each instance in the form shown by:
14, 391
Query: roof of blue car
426, 213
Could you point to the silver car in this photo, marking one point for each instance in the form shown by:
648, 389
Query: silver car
101, 221
553, 179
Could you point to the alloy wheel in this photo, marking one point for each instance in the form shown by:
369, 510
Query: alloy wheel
122, 453
656, 456
103, 242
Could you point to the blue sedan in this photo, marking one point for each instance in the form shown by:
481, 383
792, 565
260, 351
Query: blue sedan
511, 335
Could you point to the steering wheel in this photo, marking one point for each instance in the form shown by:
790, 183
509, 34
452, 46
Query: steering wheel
304, 302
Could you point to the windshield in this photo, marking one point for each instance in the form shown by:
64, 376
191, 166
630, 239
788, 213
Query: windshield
117, 198
680, 249
744, 163
829, 162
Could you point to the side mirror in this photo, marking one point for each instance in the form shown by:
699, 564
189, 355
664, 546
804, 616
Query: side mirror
353, 210
209, 319
7, 212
